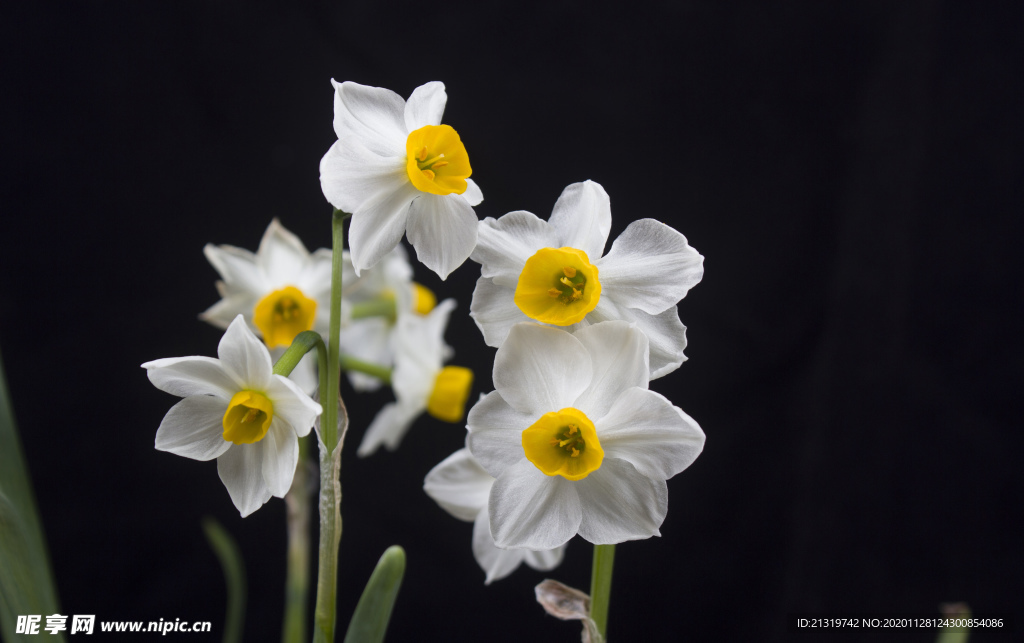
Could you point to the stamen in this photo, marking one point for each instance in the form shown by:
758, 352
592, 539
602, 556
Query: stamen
250, 416
565, 281
573, 429
569, 272
429, 174
422, 156
554, 292
553, 442
575, 453
562, 443
439, 165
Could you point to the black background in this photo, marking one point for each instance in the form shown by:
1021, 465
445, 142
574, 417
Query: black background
851, 173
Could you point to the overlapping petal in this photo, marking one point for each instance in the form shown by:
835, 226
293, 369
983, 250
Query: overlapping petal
650, 267
504, 245
443, 229
646, 430
374, 115
582, 217
244, 357
666, 335
492, 313
425, 106
185, 376
529, 510
379, 223
619, 357
460, 485
495, 430
241, 470
621, 504
193, 429
541, 369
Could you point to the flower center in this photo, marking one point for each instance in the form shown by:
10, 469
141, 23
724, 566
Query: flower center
283, 314
423, 299
564, 444
436, 160
558, 286
451, 390
248, 417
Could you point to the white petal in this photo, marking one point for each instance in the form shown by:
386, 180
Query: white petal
351, 175
388, 428
369, 340
473, 194
646, 430
280, 457
530, 510
495, 433
504, 245
315, 279
460, 485
583, 218
419, 354
619, 354
194, 428
224, 311
545, 559
620, 504
185, 376
244, 357
292, 405
496, 563
376, 116
443, 231
665, 333
494, 310
650, 267
241, 470
378, 225
540, 369
425, 106
281, 256
237, 267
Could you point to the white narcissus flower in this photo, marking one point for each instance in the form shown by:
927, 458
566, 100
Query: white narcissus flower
281, 290
420, 380
461, 486
577, 442
398, 170
371, 338
237, 411
555, 272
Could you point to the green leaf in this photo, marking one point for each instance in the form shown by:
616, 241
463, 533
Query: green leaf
230, 558
26, 580
370, 620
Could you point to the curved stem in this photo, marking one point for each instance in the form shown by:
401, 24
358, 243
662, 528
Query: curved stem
601, 585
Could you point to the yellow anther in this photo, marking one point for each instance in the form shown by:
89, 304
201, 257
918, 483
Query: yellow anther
569, 272
575, 453
553, 442
565, 282
554, 292
439, 165
422, 156
250, 416
429, 174
562, 443
573, 429
576, 294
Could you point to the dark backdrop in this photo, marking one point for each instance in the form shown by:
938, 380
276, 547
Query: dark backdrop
852, 174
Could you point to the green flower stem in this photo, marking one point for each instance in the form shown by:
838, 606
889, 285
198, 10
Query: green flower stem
349, 363
296, 589
230, 557
302, 344
330, 456
601, 585
384, 307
